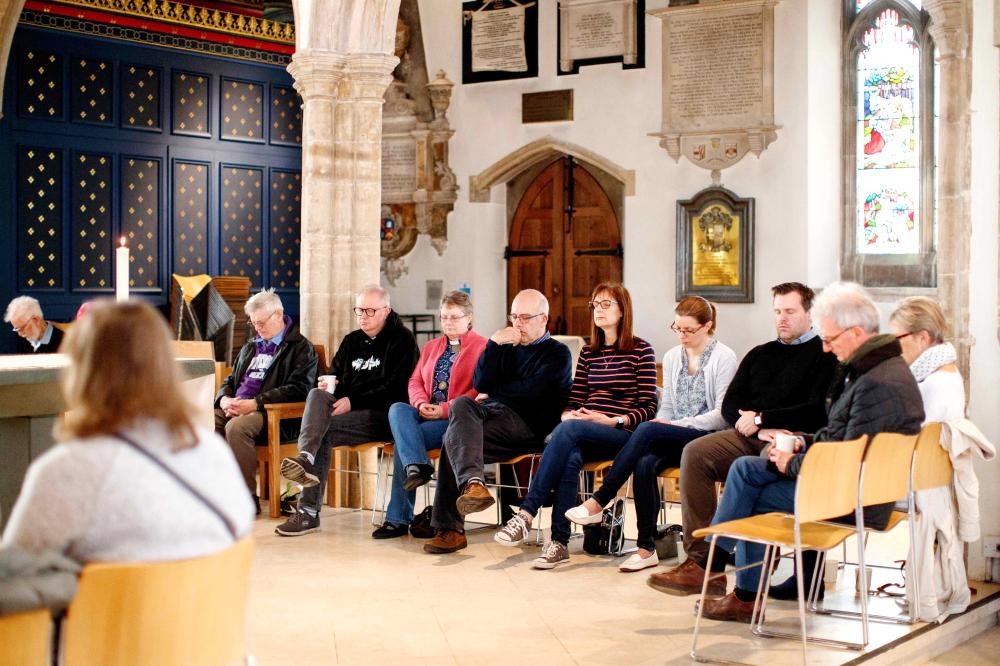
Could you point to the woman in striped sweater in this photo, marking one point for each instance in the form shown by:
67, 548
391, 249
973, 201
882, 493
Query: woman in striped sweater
696, 374
614, 390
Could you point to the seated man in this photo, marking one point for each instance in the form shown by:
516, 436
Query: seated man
873, 391
372, 366
523, 379
779, 384
36, 335
277, 365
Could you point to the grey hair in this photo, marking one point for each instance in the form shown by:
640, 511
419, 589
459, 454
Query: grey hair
374, 289
264, 300
848, 305
24, 305
459, 299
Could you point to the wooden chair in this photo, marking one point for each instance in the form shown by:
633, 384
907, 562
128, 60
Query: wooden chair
190, 612
929, 467
333, 487
26, 638
819, 496
269, 457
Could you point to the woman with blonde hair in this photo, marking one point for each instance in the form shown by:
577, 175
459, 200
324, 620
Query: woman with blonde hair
132, 476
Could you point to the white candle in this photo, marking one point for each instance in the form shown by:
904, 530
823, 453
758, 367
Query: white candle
121, 272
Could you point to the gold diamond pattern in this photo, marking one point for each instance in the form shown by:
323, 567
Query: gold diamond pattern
190, 226
140, 97
140, 219
190, 103
285, 224
241, 221
91, 221
40, 92
243, 110
286, 115
91, 85
39, 223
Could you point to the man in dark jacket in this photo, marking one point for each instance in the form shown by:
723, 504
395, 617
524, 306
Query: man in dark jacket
872, 391
372, 369
35, 335
523, 378
779, 384
278, 365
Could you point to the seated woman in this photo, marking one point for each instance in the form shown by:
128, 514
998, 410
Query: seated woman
919, 325
443, 373
132, 476
614, 390
696, 374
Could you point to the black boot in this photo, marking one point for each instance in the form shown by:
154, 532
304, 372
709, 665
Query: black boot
789, 591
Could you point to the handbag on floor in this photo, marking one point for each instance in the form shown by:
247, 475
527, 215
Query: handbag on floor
420, 526
605, 537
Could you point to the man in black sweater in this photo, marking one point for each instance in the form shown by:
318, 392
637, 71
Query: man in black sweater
373, 366
780, 384
523, 378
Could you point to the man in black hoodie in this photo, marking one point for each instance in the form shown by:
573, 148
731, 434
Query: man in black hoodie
372, 366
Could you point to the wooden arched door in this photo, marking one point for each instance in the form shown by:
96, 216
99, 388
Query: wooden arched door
564, 239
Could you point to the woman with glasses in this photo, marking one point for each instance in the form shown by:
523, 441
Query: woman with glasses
443, 373
614, 390
696, 374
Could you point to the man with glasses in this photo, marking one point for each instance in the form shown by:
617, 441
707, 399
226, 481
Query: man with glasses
277, 365
372, 366
523, 378
779, 384
36, 335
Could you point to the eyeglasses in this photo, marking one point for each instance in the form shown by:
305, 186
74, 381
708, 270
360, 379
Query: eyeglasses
603, 305
829, 341
523, 318
898, 337
368, 312
261, 322
445, 317
686, 331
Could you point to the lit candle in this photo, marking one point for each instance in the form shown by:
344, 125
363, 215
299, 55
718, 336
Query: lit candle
121, 272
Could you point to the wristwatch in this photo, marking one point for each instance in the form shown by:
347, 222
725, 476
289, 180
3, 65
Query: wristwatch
757, 420
619, 422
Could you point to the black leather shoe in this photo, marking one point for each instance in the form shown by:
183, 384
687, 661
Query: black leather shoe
390, 531
416, 476
789, 591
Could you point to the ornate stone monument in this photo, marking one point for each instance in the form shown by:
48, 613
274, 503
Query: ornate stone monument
718, 80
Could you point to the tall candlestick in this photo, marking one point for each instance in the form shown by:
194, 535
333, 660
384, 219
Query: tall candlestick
121, 272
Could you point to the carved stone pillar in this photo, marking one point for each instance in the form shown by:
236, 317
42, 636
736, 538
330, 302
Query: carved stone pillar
951, 28
341, 184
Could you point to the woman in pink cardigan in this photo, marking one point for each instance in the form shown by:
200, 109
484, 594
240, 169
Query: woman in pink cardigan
443, 373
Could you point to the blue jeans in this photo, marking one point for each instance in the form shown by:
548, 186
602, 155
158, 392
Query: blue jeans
652, 448
752, 487
562, 459
413, 437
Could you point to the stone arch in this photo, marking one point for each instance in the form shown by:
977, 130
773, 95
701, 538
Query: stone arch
543, 150
10, 10
345, 26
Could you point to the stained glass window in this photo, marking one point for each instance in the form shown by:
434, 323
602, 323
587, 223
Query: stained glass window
890, 173
888, 135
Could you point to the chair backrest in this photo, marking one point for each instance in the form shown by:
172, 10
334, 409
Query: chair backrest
885, 476
185, 612
25, 638
321, 367
193, 349
828, 480
575, 344
932, 464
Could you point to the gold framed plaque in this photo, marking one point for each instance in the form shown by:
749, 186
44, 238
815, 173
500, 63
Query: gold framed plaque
715, 235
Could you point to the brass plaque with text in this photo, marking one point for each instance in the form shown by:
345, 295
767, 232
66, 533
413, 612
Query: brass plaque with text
547, 107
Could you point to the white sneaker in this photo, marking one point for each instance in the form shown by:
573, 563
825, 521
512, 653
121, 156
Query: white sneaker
579, 515
553, 554
637, 563
514, 532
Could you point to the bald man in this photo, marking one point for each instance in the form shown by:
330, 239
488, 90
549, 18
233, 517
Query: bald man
523, 378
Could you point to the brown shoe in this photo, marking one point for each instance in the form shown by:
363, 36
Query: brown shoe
446, 541
474, 498
687, 579
728, 609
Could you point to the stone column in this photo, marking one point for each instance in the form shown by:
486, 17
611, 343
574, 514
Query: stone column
951, 28
341, 184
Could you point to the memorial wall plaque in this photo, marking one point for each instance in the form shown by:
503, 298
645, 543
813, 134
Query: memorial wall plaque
548, 106
600, 31
499, 40
718, 80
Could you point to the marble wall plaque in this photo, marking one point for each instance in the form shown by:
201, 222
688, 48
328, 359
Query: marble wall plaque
594, 29
718, 80
399, 168
498, 41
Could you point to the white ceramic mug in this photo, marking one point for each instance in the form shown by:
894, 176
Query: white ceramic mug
331, 382
784, 442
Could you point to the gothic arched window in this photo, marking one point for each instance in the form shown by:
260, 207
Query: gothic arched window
889, 181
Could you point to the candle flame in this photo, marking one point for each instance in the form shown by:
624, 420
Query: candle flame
123, 241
